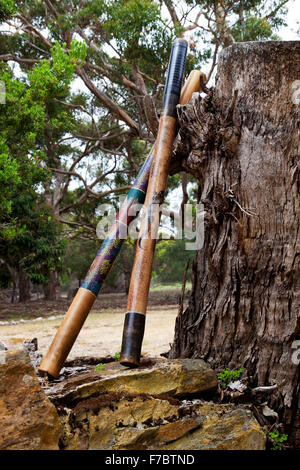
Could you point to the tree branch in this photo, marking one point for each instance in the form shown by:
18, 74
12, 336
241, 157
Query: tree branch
112, 106
76, 224
273, 12
172, 12
213, 62
194, 23
51, 8
29, 27
20, 60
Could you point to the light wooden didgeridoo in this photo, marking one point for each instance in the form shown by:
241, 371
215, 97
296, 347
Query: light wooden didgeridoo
134, 324
84, 299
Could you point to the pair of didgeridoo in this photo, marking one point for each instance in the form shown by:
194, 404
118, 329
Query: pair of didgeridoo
98, 272
134, 325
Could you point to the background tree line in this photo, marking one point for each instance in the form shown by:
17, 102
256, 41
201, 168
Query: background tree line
84, 83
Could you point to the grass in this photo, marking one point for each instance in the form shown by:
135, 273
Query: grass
165, 287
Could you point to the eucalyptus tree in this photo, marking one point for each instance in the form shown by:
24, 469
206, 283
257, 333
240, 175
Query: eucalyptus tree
124, 47
102, 118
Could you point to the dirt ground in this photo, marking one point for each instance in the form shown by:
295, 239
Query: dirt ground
101, 334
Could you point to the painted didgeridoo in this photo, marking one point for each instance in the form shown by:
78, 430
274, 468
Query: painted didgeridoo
134, 324
98, 272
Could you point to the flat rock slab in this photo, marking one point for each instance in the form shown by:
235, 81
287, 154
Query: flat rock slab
176, 378
28, 420
120, 422
153, 407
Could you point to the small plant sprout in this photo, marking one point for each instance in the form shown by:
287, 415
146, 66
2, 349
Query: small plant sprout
277, 439
100, 367
227, 375
117, 356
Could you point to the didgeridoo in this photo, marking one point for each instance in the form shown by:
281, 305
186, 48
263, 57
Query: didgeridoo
134, 324
103, 262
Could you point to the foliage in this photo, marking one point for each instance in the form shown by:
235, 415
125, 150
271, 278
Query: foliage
78, 257
170, 260
77, 123
5, 277
100, 367
278, 439
52, 80
255, 29
7, 9
8, 178
30, 237
227, 375
21, 119
117, 356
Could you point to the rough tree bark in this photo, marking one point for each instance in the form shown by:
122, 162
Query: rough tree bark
50, 289
24, 287
242, 143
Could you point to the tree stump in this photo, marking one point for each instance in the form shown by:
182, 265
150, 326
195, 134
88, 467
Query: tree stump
242, 142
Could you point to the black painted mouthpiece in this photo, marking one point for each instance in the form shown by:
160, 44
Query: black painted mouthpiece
174, 77
133, 333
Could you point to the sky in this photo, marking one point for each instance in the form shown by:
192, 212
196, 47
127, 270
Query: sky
289, 33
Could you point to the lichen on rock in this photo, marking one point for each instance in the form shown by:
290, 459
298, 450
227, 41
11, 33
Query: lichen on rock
158, 406
28, 420
147, 423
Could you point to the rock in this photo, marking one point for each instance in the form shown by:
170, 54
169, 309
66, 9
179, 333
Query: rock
28, 420
2, 347
31, 345
178, 378
224, 427
104, 422
120, 422
153, 407
32, 348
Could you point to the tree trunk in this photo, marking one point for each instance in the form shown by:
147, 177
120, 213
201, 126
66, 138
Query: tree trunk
24, 287
50, 289
242, 143
127, 277
13, 294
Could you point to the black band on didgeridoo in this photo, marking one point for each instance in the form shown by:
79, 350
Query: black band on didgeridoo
133, 334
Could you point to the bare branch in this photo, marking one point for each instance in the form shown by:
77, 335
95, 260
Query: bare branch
172, 12
213, 62
76, 224
194, 23
268, 388
28, 27
84, 197
77, 175
151, 114
273, 12
20, 60
82, 4
51, 8
113, 107
129, 84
